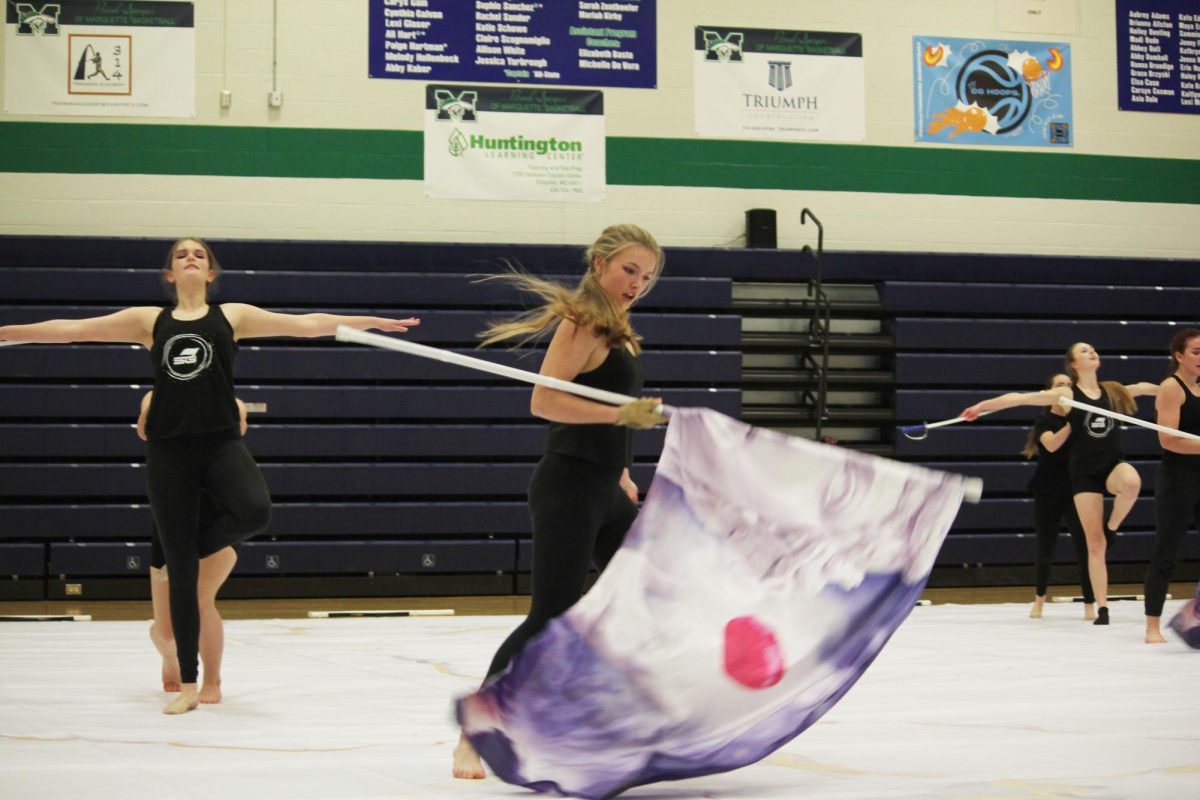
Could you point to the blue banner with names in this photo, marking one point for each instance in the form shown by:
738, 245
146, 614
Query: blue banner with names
571, 42
1158, 56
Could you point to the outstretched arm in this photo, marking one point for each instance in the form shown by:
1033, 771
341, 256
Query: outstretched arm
252, 322
1046, 397
1142, 388
130, 325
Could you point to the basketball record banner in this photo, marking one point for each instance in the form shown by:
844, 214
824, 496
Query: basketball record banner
496, 143
773, 84
992, 92
73, 57
565, 42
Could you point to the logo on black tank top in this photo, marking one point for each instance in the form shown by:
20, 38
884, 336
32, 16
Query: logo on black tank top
186, 355
1098, 426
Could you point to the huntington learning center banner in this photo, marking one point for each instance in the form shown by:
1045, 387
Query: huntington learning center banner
773, 84
497, 143
992, 92
131, 58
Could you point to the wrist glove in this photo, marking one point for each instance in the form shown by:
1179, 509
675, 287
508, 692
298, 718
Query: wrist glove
640, 414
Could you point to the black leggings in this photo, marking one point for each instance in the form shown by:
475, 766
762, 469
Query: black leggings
1176, 507
1052, 506
177, 470
580, 514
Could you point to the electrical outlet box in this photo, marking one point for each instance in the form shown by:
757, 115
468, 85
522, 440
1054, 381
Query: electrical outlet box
275, 99
226, 98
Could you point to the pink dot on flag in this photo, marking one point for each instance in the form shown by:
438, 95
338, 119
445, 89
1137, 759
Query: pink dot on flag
753, 657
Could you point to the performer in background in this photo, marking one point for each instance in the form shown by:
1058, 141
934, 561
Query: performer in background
1053, 501
192, 425
1096, 464
1177, 485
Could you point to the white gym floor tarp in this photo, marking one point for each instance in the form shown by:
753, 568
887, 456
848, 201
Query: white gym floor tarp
966, 701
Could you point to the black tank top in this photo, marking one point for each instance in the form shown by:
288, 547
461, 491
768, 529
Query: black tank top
620, 372
1051, 472
1096, 438
1189, 422
193, 378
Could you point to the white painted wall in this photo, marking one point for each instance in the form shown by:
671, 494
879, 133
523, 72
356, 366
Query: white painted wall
322, 71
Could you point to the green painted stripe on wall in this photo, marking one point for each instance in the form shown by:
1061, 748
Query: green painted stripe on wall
108, 148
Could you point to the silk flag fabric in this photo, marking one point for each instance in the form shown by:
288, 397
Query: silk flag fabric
762, 577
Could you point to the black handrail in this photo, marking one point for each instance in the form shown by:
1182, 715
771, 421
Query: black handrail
818, 325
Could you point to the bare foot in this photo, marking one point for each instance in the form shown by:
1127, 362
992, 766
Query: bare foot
184, 702
170, 661
1036, 611
1155, 637
210, 692
466, 761
1089, 611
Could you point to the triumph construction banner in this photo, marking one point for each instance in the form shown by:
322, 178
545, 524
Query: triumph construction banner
992, 92
491, 143
767, 84
129, 58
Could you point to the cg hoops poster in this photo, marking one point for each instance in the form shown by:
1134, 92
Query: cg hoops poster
992, 92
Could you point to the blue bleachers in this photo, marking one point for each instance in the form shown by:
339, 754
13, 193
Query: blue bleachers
73, 402
1024, 372
273, 288
1024, 300
22, 560
118, 441
295, 480
348, 557
379, 461
1052, 336
957, 342
275, 364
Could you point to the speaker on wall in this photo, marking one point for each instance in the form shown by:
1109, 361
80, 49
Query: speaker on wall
760, 228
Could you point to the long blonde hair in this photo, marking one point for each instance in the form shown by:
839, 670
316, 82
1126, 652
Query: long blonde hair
1119, 398
587, 305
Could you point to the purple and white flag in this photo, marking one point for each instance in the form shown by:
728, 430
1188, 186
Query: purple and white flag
762, 577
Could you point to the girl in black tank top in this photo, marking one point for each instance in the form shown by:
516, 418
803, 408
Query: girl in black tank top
1177, 484
1051, 439
1095, 464
194, 442
581, 497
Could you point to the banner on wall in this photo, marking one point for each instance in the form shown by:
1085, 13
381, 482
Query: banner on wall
992, 92
571, 42
131, 58
494, 143
773, 84
1158, 56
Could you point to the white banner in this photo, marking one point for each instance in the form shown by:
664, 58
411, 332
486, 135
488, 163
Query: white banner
132, 58
491, 143
772, 84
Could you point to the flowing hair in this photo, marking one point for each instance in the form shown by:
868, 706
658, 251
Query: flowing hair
1178, 345
1119, 398
587, 305
213, 265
